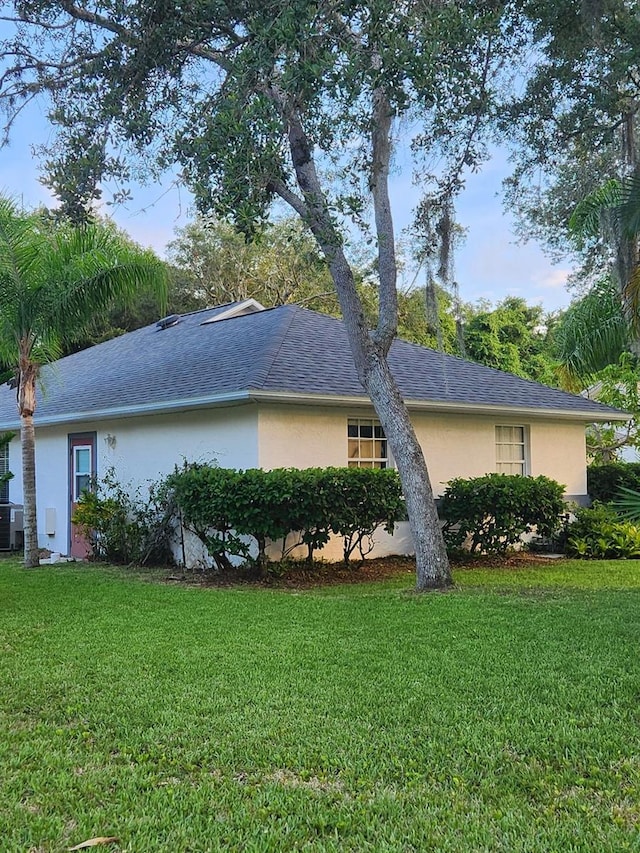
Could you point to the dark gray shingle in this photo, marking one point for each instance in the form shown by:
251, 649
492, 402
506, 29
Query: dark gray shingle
282, 349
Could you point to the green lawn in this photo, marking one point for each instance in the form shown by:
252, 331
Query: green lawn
501, 716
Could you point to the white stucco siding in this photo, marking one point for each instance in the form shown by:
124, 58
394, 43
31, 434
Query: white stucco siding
559, 450
455, 445
303, 436
140, 450
145, 449
465, 446
52, 478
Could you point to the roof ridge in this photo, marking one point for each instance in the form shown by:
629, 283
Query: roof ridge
265, 364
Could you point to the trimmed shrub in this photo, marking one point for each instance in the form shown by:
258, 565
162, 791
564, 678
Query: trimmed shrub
300, 507
598, 532
359, 500
490, 514
605, 481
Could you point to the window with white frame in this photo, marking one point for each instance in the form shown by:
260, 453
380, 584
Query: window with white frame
367, 444
4, 469
511, 450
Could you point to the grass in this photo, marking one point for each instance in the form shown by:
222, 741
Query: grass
502, 716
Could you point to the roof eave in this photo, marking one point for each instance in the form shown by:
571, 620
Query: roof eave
235, 398
231, 398
439, 406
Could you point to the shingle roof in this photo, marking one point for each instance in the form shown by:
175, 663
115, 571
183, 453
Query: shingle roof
288, 350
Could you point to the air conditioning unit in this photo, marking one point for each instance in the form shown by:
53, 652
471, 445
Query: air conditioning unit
11, 527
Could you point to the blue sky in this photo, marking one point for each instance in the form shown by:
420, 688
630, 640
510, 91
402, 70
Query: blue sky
491, 265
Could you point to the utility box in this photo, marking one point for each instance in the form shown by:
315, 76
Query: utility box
11, 527
50, 521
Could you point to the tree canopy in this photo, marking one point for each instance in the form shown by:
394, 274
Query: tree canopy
574, 125
281, 264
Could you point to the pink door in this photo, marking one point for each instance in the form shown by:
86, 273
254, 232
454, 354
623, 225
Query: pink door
82, 472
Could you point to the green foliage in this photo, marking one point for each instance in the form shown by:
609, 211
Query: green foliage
617, 386
122, 526
574, 122
627, 504
490, 514
278, 265
416, 324
591, 334
55, 278
225, 508
357, 501
598, 532
586, 219
605, 481
513, 336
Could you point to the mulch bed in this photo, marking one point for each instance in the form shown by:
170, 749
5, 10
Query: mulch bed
302, 576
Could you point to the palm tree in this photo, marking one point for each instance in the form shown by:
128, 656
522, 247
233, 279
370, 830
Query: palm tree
53, 283
612, 214
592, 334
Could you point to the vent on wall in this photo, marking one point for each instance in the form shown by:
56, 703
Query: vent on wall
166, 322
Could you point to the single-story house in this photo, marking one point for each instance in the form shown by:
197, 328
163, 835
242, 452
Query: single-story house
248, 387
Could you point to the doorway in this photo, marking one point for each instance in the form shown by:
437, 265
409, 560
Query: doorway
82, 473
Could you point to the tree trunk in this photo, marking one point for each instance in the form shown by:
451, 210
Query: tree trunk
432, 564
369, 350
26, 398
28, 446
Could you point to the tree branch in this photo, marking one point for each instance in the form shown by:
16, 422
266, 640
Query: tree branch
379, 184
286, 194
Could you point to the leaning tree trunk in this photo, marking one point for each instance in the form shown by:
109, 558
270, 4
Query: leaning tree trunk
432, 563
28, 445
369, 350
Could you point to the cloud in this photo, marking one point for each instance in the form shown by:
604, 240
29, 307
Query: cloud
552, 279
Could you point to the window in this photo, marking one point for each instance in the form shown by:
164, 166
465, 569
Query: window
511, 456
367, 444
4, 469
81, 470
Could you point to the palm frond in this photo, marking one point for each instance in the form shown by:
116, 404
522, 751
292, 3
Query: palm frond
54, 282
627, 503
586, 219
629, 206
592, 334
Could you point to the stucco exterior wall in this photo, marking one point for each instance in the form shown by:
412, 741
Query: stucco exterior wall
272, 436
455, 445
140, 450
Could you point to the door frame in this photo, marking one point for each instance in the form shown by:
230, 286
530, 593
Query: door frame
78, 439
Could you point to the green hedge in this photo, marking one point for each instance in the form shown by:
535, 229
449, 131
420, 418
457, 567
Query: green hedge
604, 481
227, 508
489, 514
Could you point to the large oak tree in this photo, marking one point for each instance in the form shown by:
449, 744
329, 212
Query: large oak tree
300, 101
